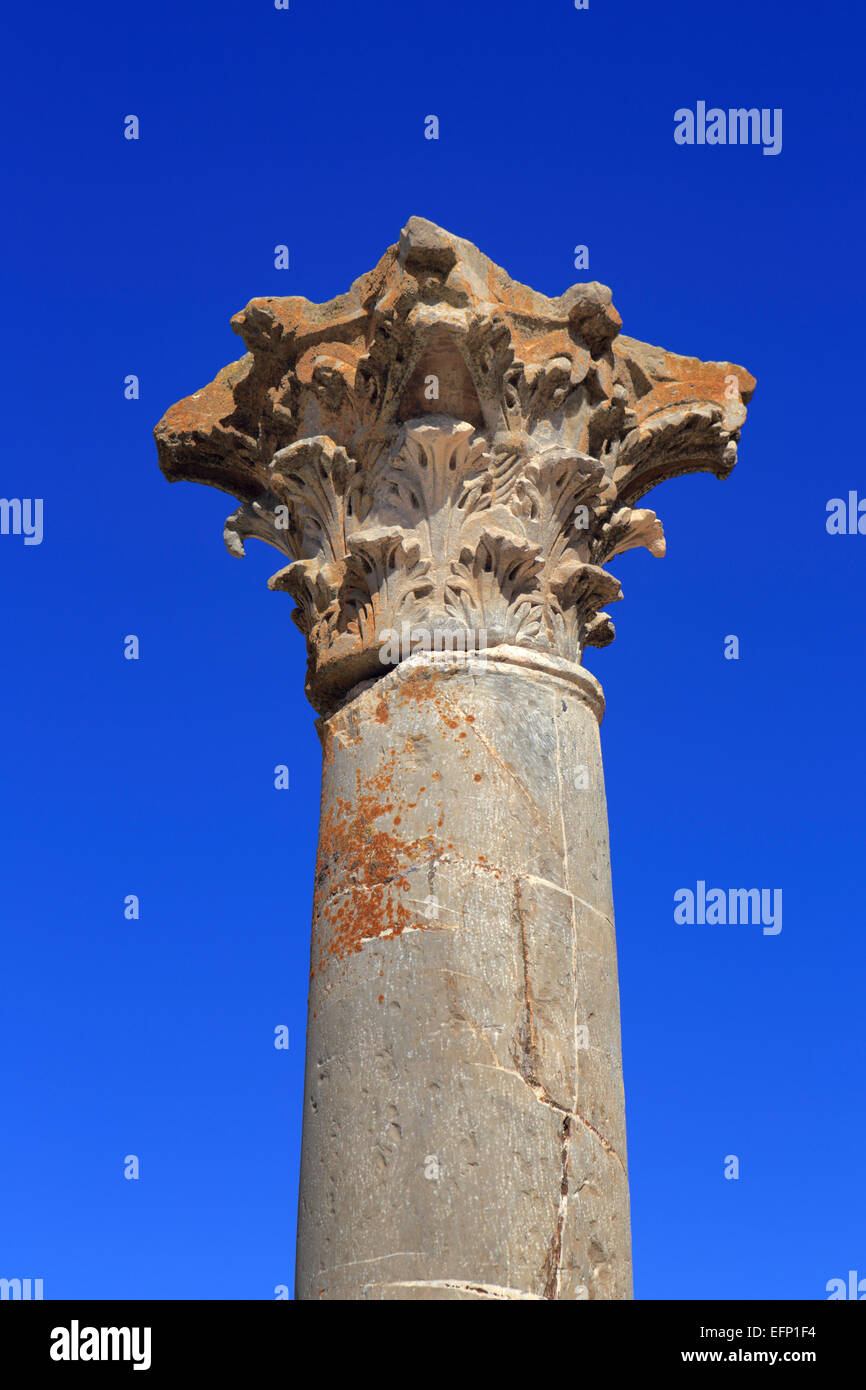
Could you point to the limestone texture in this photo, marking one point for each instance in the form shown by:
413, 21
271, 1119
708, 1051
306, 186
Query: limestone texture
448, 461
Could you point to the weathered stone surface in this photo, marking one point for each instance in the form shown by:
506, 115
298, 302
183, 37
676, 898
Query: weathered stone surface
463, 1006
448, 459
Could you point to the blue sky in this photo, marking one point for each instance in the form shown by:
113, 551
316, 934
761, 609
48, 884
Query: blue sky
155, 777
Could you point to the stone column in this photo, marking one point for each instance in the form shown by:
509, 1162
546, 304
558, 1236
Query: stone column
448, 460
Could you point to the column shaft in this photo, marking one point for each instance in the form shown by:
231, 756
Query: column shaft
464, 1127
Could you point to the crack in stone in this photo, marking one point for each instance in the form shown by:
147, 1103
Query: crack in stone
558, 888
454, 856
555, 1278
542, 1095
389, 932
332, 895
463, 1286
526, 1060
509, 771
374, 1259
543, 1098
553, 1263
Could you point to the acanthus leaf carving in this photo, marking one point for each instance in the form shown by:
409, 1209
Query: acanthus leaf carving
385, 579
493, 586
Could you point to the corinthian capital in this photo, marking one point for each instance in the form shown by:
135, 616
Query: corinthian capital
445, 450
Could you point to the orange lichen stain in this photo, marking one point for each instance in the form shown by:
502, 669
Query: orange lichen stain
381, 998
398, 820
477, 777
423, 687
366, 862
382, 712
418, 686
208, 407
410, 805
